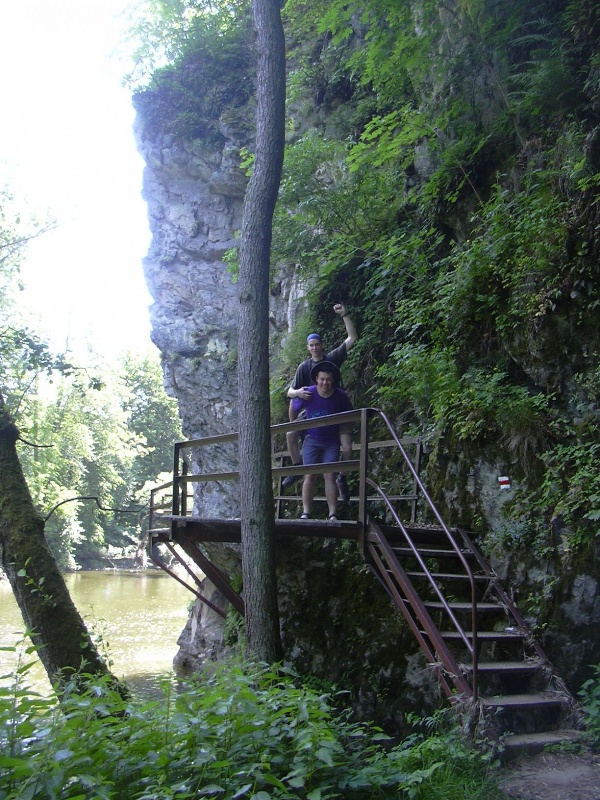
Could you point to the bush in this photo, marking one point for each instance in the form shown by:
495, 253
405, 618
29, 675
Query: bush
250, 732
590, 702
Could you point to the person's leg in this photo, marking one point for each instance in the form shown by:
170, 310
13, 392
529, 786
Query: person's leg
331, 492
308, 493
291, 412
293, 446
346, 443
331, 454
311, 454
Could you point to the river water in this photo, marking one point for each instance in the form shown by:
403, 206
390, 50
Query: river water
136, 617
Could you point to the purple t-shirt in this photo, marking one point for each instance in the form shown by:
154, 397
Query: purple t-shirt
319, 406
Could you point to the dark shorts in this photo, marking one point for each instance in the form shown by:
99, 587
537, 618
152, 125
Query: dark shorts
315, 452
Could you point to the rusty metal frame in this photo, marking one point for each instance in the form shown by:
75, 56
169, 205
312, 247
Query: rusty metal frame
473, 644
160, 563
380, 551
212, 573
375, 551
413, 602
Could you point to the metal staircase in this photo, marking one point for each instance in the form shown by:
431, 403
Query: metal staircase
479, 646
473, 636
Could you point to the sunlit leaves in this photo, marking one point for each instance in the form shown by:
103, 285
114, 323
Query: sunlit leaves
162, 31
197, 64
103, 443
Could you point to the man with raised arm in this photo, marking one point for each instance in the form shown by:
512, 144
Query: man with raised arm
302, 380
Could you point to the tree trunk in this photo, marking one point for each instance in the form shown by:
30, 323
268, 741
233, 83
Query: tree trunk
53, 622
256, 489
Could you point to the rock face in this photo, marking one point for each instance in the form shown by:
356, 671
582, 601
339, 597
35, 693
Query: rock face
195, 201
195, 204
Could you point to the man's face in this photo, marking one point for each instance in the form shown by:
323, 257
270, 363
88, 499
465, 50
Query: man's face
315, 348
325, 384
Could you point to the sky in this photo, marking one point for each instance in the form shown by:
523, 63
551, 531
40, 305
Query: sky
67, 151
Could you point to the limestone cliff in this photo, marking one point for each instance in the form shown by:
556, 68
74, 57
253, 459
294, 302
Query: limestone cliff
194, 199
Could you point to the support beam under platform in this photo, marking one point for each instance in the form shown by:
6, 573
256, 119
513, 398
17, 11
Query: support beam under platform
189, 532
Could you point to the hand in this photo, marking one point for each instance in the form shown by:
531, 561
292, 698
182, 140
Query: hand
340, 309
303, 393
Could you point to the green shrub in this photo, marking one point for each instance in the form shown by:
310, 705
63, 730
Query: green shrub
590, 702
251, 732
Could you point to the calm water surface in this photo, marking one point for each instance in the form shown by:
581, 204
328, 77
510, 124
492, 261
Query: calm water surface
138, 615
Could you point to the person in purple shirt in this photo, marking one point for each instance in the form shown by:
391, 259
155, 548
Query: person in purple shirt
302, 381
322, 444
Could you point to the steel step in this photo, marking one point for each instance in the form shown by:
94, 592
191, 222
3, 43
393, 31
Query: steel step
431, 552
443, 576
524, 700
419, 535
485, 636
504, 667
518, 696
456, 606
516, 744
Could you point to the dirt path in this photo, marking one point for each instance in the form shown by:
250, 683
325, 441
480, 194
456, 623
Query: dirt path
553, 776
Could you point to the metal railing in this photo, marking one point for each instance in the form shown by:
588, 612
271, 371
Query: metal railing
184, 480
471, 642
177, 494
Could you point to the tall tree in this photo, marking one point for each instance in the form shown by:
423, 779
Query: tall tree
256, 491
64, 644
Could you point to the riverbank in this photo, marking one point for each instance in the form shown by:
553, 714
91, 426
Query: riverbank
136, 618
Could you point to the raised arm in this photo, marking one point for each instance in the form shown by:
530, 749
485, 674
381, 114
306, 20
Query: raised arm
351, 334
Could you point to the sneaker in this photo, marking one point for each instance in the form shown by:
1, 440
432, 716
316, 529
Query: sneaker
290, 481
343, 488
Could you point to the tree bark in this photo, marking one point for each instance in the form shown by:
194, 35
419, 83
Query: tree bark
256, 489
53, 622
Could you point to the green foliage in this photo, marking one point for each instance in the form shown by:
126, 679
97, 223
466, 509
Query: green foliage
151, 414
104, 444
510, 273
571, 482
479, 409
567, 493
210, 78
163, 31
590, 702
326, 215
457, 213
531, 538
250, 732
